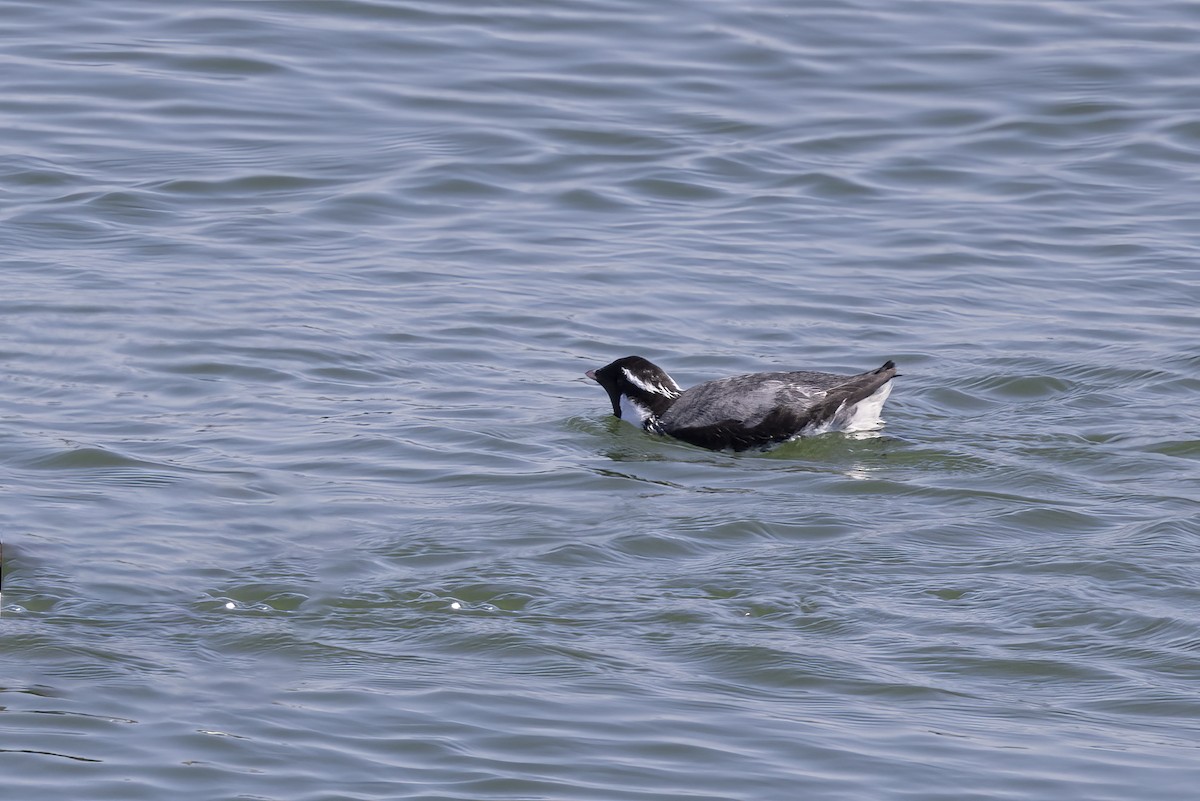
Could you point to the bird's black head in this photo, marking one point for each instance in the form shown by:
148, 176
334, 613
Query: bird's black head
639, 389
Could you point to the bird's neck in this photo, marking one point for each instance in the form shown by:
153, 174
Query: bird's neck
644, 408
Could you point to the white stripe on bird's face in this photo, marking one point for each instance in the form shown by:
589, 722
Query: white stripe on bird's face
645, 386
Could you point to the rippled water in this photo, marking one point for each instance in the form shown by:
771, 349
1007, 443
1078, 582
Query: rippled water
306, 496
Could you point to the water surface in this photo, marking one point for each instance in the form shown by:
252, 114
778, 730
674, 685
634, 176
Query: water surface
306, 496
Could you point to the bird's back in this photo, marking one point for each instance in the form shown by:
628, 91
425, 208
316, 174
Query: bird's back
760, 409
748, 398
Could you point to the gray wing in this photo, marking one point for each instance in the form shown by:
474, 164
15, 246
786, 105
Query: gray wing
748, 398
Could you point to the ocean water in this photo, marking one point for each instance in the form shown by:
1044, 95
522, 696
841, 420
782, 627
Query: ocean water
305, 495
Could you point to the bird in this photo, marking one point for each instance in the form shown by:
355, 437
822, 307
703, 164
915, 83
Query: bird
742, 412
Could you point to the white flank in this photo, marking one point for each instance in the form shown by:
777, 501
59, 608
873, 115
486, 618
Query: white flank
657, 389
866, 415
862, 416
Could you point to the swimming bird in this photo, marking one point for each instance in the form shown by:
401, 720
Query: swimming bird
744, 411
